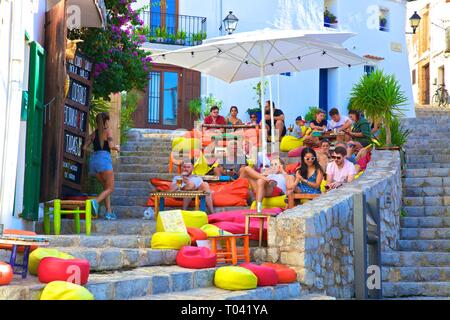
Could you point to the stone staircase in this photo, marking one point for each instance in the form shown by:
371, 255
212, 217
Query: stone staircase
420, 269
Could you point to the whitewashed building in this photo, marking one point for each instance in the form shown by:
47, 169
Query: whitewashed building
383, 40
429, 48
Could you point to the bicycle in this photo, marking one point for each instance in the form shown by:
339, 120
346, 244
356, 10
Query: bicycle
440, 97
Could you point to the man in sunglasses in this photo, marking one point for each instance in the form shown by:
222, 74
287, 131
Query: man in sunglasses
341, 170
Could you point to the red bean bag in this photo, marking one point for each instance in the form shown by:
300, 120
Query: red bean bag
284, 273
196, 234
266, 276
291, 167
70, 270
18, 232
6, 274
196, 258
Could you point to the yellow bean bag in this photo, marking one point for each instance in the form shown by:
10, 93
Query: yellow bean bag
170, 240
40, 253
273, 202
289, 143
193, 219
185, 144
359, 174
62, 290
201, 167
212, 231
322, 186
235, 278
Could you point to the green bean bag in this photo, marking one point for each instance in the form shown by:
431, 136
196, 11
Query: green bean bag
40, 253
62, 290
235, 278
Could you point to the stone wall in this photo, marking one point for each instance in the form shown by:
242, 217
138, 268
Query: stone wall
316, 239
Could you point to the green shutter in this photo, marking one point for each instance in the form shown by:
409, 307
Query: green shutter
35, 121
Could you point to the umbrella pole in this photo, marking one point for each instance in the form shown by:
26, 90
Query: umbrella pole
272, 120
263, 120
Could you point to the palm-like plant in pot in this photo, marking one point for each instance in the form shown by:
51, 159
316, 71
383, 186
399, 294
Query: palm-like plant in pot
379, 97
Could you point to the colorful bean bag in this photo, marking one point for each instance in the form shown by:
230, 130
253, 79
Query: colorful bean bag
284, 273
238, 228
212, 231
273, 202
71, 270
170, 240
225, 194
194, 219
40, 253
359, 174
266, 276
18, 232
62, 290
235, 278
196, 258
292, 167
196, 234
185, 144
289, 143
295, 152
6, 274
237, 215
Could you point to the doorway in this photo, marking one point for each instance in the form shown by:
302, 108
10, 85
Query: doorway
426, 84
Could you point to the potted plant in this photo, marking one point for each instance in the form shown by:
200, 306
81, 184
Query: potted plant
311, 114
399, 135
379, 97
195, 107
171, 38
161, 34
180, 38
329, 18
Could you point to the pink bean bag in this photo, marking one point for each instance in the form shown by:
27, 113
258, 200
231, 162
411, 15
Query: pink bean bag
196, 234
295, 152
238, 227
70, 270
196, 258
237, 215
266, 276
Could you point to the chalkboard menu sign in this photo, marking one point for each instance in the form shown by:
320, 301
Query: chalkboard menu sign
76, 119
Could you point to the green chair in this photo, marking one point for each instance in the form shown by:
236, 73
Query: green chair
61, 207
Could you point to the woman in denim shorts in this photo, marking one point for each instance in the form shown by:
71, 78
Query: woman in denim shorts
100, 163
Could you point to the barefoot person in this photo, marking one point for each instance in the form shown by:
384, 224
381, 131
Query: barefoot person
100, 163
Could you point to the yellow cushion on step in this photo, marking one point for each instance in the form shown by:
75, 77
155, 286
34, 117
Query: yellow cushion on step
273, 202
193, 219
212, 230
289, 143
40, 253
235, 278
170, 240
185, 144
62, 290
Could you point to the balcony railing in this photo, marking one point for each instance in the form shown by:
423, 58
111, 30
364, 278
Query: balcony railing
174, 29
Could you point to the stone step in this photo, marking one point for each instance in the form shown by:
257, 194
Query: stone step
427, 158
425, 222
402, 289
424, 233
415, 259
100, 241
125, 176
145, 160
140, 168
160, 153
415, 151
425, 245
435, 172
129, 212
426, 191
130, 185
416, 274
124, 201
279, 292
428, 165
426, 201
152, 148
427, 211
106, 227
139, 191
427, 182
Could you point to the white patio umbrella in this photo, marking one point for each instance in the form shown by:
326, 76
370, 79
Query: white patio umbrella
248, 55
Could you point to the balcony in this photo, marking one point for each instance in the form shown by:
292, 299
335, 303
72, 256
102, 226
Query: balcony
174, 29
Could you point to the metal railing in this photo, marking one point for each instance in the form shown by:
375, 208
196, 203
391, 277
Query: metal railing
367, 246
174, 28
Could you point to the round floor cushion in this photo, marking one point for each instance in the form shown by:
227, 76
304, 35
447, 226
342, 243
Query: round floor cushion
62, 290
284, 273
170, 240
266, 276
213, 231
235, 278
196, 234
71, 270
194, 219
6, 274
196, 258
40, 253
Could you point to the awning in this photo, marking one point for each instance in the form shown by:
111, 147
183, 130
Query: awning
92, 12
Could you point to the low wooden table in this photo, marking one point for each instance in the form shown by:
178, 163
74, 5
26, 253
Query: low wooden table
26, 242
261, 216
330, 135
231, 253
200, 200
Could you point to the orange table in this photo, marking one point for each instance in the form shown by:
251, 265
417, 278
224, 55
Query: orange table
261, 217
231, 253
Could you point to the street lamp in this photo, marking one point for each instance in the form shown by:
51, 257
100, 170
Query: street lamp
414, 21
230, 22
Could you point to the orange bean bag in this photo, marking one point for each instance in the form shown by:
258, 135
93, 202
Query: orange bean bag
6, 274
18, 232
196, 258
284, 273
196, 234
56, 269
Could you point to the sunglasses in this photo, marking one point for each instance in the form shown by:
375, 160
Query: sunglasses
310, 159
336, 158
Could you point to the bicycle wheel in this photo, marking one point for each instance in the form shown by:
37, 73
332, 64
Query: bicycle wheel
444, 98
435, 100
